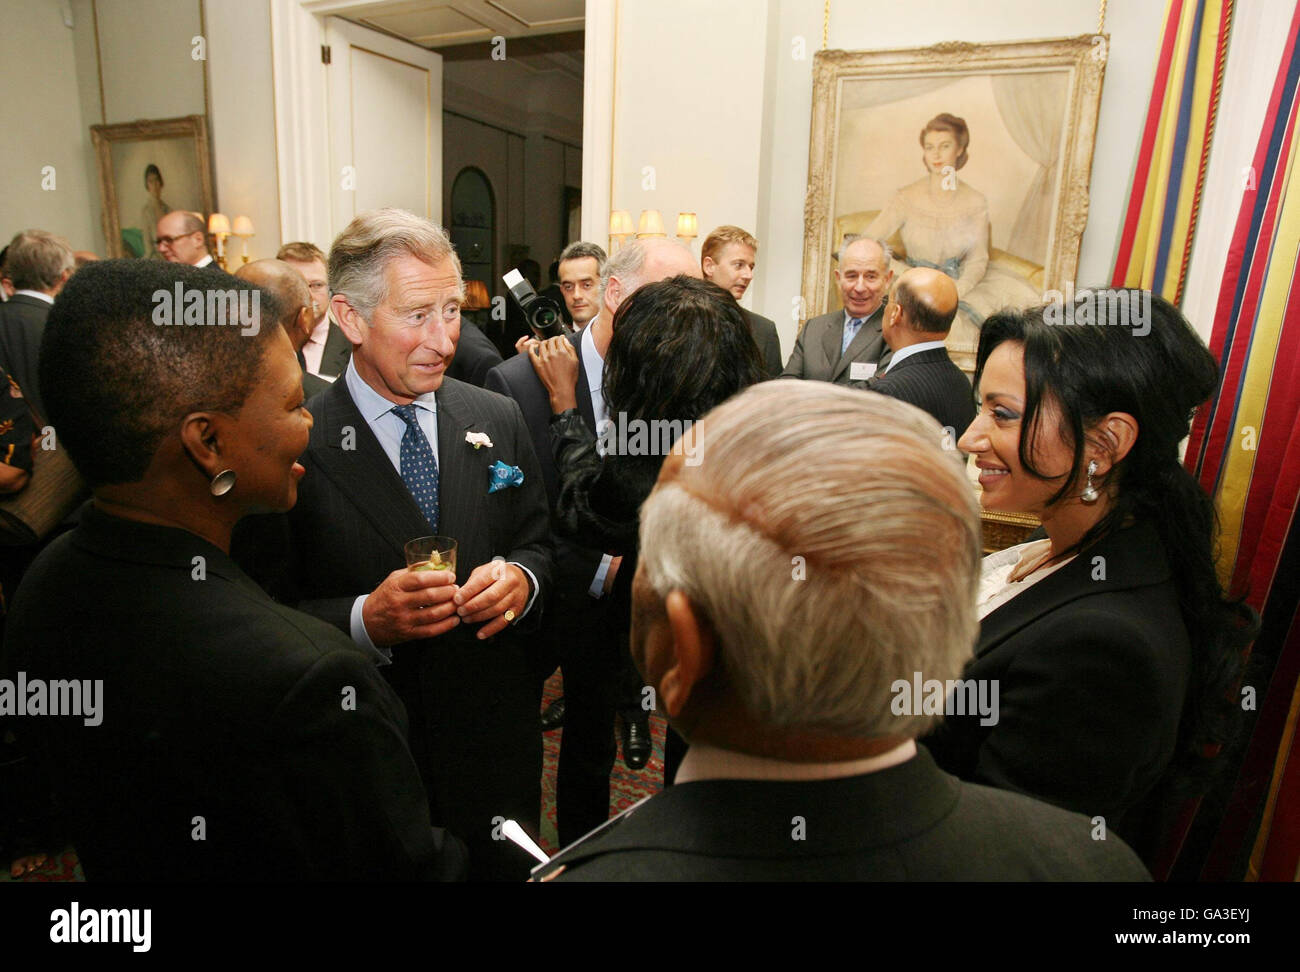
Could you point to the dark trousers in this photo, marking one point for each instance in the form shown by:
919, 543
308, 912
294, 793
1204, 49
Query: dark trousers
599, 681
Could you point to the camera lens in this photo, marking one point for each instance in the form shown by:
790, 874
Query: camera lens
545, 317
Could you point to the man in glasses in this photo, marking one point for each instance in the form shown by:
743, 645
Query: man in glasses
182, 238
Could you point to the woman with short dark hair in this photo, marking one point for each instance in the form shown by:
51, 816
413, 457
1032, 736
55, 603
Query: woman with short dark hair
222, 736
1111, 642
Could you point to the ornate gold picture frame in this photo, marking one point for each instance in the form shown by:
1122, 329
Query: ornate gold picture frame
1029, 114
146, 169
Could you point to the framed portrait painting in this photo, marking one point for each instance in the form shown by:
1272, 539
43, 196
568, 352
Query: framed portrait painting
971, 158
146, 170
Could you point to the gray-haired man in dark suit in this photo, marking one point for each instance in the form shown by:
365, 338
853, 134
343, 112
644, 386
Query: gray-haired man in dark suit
846, 345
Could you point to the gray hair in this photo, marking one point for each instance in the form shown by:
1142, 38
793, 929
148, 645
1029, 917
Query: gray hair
834, 547
581, 250
851, 238
37, 260
360, 253
626, 264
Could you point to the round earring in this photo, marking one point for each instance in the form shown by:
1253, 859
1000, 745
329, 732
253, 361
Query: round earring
1090, 494
222, 483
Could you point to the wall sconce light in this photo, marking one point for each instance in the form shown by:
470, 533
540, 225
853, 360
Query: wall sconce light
620, 228
219, 228
243, 229
688, 227
651, 224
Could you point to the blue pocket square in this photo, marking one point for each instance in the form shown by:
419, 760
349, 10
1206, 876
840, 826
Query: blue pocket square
503, 476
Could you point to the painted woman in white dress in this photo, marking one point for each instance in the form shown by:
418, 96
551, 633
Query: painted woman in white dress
944, 224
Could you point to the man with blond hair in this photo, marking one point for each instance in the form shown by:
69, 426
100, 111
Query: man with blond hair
39, 264
727, 258
783, 632
399, 451
326, 351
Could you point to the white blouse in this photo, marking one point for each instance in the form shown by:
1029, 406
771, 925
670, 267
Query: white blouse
996, 587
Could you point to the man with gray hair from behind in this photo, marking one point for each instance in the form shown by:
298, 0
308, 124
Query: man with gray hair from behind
39, 264
794, 588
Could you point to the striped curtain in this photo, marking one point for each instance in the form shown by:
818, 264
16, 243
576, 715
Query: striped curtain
1245, 449
1156, 237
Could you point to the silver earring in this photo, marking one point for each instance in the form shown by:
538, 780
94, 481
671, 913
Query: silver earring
1090, 494
222, 483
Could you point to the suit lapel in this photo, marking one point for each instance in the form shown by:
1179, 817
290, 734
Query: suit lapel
584, 387
1131, 558
865, 346
364, 472
461, 490
833, 337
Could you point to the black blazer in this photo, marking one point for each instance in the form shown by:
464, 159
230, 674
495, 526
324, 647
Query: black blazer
476, 355
911, 822
338, 349
217, 704
22, 325
1092, 664
930, 381
769, 343
473, 704
816, 354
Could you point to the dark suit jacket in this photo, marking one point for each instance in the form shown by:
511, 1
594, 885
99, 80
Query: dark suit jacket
817, 355
911, 822
473, 704
312, 385
769, 344
217, 703
22, 324
575, 565
476, 355
338, 349
930, 381
1092, 664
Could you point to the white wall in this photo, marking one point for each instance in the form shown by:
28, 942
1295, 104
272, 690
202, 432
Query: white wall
723, 109
46, 128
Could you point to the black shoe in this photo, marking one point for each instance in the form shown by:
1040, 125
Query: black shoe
553, 717
637, 745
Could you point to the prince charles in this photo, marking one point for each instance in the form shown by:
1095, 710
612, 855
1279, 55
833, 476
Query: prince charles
400, 451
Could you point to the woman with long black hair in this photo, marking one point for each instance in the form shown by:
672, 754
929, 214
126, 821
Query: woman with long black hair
1111, 643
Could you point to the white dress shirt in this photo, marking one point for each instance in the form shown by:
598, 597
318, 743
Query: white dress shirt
594, 365
38, 294
902, 354
389, 429
705, 762
207, 258
314, 350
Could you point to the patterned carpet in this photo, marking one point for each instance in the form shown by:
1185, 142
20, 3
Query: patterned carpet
626, 787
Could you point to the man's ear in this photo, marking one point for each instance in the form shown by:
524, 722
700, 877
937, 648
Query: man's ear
693, 650
1115, 433
613, 295
306, 322
708, 266
346, 317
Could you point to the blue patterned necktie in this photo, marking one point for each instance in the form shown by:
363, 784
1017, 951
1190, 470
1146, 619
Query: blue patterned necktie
419, 467
850, 332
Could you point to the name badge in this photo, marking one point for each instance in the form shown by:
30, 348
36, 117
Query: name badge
861, 370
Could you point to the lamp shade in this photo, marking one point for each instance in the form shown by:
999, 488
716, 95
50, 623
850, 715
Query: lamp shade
651, 224
219, 223
688, 226
620, 223
243, 226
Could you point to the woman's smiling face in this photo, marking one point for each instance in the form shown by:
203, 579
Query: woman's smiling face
994, 438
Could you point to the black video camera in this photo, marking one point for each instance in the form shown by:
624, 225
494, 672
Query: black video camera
543, 314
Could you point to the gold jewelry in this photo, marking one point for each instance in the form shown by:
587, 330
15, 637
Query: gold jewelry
510, 615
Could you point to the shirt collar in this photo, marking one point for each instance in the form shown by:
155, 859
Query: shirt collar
912, 349
320, 332
374, 406
592, 362
705, 762
39, 295
849, 317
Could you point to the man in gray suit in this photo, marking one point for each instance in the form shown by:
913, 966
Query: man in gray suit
846, 345
804, 763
